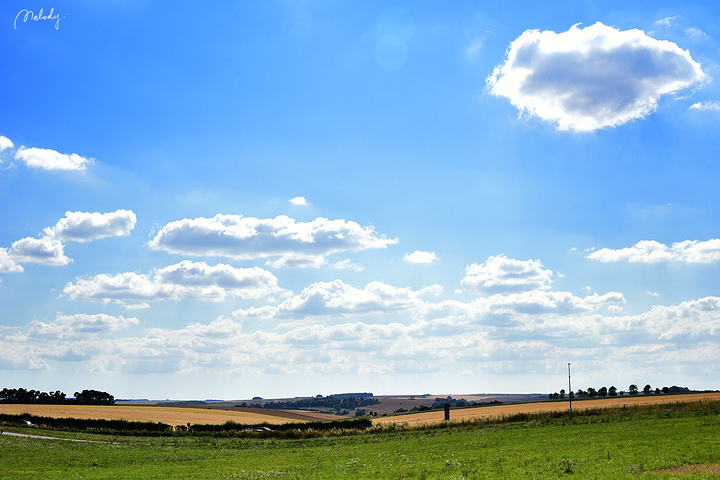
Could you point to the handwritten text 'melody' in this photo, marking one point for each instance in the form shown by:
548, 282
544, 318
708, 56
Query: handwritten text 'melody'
25, 16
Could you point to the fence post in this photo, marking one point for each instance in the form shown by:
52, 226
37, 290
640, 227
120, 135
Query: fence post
447, 412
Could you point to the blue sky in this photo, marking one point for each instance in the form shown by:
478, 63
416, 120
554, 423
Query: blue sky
290, 198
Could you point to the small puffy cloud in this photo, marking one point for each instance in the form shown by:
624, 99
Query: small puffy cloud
706, 106
45, 250
650, 251
7, 263
299, 202
46, 159
84, 227
5, 143
196, 280
298, 244
593, 77
420, 257
501, 274
80, 325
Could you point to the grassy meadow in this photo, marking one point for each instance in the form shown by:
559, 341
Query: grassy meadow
633, 442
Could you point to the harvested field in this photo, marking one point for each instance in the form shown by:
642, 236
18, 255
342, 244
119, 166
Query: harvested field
171, 415
438, 416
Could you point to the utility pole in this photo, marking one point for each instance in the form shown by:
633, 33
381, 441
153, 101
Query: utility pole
569, 388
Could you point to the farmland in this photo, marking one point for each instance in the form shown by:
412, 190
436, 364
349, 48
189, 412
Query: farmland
537, 407
166, 414
631, 442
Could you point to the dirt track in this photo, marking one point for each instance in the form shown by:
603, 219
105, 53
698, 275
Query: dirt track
495, 411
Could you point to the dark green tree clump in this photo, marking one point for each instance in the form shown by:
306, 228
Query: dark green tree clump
86, 397
613, 391
94, 397
336, 402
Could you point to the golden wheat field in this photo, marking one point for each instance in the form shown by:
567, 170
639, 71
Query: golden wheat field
169, 415
174, 415
498, 410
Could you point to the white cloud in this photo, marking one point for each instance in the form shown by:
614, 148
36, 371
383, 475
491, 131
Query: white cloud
593, 77
77, 227
7, 263
5, 143
650, 251
45, 250
706, 106
524, 331
348, 264
420, 257
50, 159
196, 280
136, 306
696, 33
216, 283
694, 318
339, 298
115, 288
502, 274
299, 202
84, 227
667, 21
297, 261
247, 238
80, 325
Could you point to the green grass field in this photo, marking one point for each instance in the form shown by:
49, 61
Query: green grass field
628, 443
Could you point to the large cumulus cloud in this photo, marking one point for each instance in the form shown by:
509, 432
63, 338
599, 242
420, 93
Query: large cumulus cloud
593, 77
298, 244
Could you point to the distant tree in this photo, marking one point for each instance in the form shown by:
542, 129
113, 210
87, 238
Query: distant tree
666, 390
581, 393
612, 391
633, 389
603, 391
562, 394
657, 391
647, 389
591, 392
94, 397
21, 395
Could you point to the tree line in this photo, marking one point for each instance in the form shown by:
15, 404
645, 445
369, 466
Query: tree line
613, 392
439, 404
336, 402
86, 397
